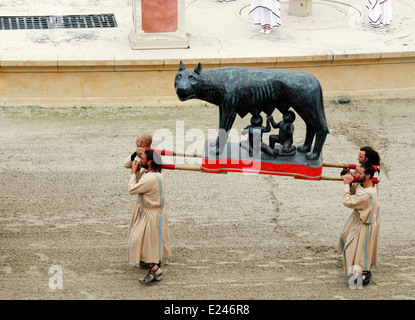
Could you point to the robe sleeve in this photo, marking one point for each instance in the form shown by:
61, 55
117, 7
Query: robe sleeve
128, 164
129, 160
142, 185
352, 188
357, 201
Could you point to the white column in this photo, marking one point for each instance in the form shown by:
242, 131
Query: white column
300, 8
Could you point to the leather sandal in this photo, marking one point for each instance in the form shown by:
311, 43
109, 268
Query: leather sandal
151, 275
367, 275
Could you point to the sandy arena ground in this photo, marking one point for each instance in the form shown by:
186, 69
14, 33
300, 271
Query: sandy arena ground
65, 208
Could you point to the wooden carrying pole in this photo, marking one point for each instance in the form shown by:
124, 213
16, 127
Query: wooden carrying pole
350, 165
177, 154
355, 179
186, 168
177, 167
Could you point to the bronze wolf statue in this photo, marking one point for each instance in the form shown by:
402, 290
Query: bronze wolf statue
238, 90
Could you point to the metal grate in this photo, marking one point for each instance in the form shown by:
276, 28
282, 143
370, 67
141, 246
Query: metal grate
58, 22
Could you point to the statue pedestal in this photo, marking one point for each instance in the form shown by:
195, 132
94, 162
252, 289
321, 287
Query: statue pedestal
235, 158
158, 24
300, 8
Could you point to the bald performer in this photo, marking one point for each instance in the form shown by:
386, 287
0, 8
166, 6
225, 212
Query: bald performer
143, 143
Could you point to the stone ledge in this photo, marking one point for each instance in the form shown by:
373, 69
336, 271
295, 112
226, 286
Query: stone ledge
111, 65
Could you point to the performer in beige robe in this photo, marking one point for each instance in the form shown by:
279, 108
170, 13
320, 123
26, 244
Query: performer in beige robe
359, 236
379, 12
148, 234
143, 142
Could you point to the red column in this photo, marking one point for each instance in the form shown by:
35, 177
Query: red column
159, 15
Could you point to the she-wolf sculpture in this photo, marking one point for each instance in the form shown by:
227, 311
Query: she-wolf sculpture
238, 90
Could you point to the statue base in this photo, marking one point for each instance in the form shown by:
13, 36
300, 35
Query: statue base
158, 24
236, 159
157, 41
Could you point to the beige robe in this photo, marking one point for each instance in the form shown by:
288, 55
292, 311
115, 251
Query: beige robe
148, 234
359, 237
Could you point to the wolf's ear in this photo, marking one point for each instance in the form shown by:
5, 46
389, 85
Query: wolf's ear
181, 66
198, 68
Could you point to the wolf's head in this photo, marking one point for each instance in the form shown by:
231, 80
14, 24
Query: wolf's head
186, 82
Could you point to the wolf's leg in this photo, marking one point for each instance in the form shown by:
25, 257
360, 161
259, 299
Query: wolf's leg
225, 126
309, 136
318, 145
215, 144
